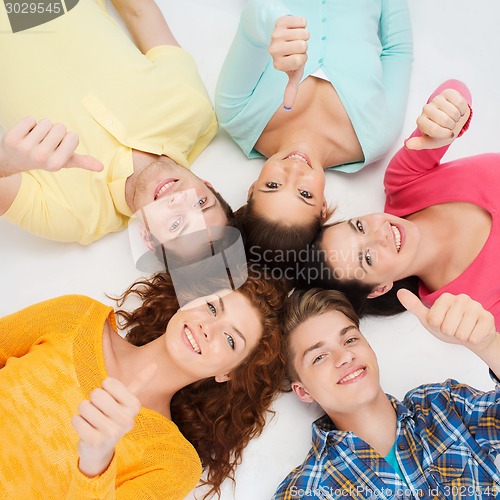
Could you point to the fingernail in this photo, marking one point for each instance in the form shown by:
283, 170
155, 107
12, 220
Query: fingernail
286, 108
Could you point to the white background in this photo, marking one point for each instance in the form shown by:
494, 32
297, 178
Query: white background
453, 39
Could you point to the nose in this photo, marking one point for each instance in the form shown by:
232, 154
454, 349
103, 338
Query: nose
381, 234
178, 200
343, 356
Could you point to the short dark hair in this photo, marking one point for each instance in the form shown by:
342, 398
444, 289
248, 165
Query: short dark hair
305, 304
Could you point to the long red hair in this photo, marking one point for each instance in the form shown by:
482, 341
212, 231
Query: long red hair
219, 419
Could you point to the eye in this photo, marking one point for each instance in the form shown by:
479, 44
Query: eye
201, 202
212, 308
368, 258
350, 341
305, 194
360, 227
317, 359
175, 225
230, 340
272, 185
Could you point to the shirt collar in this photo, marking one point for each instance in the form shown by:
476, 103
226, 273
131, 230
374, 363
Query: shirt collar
325, 433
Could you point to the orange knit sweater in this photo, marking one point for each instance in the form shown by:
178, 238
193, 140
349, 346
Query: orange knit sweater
51, 358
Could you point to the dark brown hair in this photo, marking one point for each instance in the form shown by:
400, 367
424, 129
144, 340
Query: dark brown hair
219, 419
322, 274
303, 305
261, 234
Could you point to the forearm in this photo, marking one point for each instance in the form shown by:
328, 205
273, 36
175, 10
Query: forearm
247, 58
146, 23
408, 164
396, 58
491, 356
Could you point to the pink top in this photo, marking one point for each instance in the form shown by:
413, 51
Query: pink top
417, 179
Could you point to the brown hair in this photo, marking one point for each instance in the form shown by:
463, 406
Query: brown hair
303, 305
261, 234
322, 273
219, 419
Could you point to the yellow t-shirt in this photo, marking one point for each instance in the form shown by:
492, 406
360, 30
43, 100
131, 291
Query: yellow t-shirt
83, 71
51, 358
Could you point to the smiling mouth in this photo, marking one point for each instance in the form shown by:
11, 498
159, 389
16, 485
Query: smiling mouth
296, 155
192, 341
164, 188
397, 237
355, 374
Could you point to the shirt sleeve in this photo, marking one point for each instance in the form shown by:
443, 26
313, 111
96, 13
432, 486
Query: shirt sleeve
247, 58
23, 329
407, 164
396, 58
172, 482
479, 411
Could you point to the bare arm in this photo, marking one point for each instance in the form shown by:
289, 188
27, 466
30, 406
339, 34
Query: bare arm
457, 319
146, 23
36, 145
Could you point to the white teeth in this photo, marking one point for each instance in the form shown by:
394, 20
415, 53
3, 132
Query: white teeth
297, 157
164, 188
351, 376
397, 237
190, 337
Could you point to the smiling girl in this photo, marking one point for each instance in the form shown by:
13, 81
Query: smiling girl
210, 369
440, 228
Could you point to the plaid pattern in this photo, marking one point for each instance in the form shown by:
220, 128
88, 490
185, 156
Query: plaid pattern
447, 438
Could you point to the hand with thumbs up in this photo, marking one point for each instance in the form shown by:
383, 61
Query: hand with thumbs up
458, 319
288, 49
42, 145
105, 417
441, 121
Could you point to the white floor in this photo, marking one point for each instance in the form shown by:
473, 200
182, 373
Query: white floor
453, 39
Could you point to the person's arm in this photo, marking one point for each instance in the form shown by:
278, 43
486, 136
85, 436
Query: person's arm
446, 116
457, 319
146, 23
247, 58
39, 145
396, 59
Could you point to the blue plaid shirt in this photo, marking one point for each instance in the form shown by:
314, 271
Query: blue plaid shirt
447, 438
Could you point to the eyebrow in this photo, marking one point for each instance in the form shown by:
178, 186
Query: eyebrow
221, 305
344, 331
360, 252
303, 200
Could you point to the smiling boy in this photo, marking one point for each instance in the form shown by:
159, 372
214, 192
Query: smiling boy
439, 442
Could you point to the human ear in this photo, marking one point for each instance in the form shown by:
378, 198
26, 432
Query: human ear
146, 238
380, 290
222, 378
302, 393
324, 209
250, 191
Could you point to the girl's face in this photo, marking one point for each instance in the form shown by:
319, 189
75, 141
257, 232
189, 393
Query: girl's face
212, 335
376, 249
290, 189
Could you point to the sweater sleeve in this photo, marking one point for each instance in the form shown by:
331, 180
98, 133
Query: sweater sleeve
396, 58
172, 479
23, 329
247, 58
407, 164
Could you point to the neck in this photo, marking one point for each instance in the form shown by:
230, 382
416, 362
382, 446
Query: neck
124, 361
374, 423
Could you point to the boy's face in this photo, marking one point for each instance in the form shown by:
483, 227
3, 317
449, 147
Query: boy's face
336, 365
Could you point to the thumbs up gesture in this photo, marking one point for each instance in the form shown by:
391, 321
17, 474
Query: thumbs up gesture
441, 121
456, 319
288, 49
105, 417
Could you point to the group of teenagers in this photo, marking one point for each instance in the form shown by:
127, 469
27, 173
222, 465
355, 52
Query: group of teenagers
135, 403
